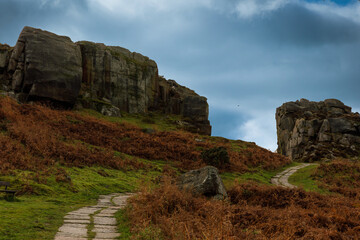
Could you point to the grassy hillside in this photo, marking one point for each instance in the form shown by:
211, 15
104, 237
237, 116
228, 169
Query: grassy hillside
62, 160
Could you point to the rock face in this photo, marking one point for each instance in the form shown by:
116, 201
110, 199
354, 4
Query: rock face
312, 131
127, 79
5, 52
109, 79
45, 65
205, 181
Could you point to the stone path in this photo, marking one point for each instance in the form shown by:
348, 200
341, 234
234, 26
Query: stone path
281, 179
97, 221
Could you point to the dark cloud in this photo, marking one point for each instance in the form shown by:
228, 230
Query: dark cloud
50, 15
297, 25
258, 63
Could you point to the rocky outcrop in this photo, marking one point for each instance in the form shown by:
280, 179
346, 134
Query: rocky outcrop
127, 79
312, 131
109, 79
205, 181
45, 65
176, 99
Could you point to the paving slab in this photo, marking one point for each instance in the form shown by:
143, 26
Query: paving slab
81, 221
73, 230
108, 211
69, 229
75, 225
77, 216
101, 229
104, 220
104, 226
68, 238
107, 235
105, 215
86, 210
71, 234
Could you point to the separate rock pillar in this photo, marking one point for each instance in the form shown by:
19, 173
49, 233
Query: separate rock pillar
311, 131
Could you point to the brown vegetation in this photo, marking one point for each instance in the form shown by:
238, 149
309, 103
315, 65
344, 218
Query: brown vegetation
252, 212
35, 137
340, 176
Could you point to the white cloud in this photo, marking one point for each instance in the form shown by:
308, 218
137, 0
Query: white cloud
52, 3
244, 9
350, 11
261, 129
140, 8
355, 110
251, 8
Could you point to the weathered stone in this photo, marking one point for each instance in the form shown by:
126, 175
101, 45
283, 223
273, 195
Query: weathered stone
104, 229
126, 79
130, 81
324, 129
77, 216
85, 210
110, 110
109, 79
205, 181
341, 125
107, 235
69, 238
196, 108
68, 229
177, 99
77, 221
5, 52
46, 65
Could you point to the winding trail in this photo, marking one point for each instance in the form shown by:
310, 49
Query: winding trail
282, 179
98, 220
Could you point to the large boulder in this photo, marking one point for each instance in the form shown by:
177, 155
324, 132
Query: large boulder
311, 131
45, 65
205, 181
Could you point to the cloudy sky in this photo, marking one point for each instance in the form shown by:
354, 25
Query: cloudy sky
246, 56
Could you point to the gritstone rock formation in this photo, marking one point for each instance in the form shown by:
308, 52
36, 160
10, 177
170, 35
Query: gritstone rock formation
310, 131
43, 65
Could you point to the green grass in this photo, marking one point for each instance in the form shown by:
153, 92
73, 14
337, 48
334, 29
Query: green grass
258, 175
38, 216
35, 217
123, 224
151, 120
303, 178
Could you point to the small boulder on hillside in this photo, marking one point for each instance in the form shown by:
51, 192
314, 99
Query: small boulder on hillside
205, 181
